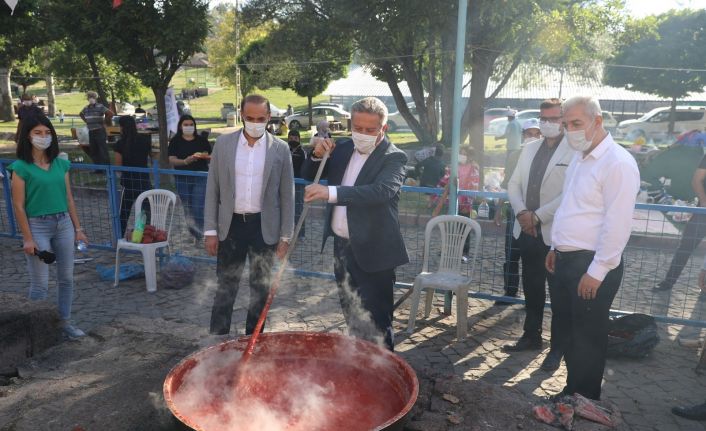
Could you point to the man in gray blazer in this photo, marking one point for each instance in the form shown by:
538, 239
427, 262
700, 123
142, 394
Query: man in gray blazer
535, 191
249, 211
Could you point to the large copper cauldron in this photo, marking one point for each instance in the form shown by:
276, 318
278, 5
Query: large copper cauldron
294, 381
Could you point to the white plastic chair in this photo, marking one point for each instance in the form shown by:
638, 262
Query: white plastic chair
162, 204
454, 231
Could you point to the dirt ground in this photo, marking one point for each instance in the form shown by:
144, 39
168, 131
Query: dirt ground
112, 380
447, 403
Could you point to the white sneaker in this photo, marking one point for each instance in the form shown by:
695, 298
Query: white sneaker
71, 332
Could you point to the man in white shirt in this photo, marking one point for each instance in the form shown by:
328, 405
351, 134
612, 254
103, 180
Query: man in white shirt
364, 175
535, 191
591, 228
248, 212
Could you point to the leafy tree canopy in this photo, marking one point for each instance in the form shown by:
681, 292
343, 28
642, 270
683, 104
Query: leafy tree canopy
654, 47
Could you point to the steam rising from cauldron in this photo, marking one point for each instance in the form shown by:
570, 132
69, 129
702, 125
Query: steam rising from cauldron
360, 322
298, 404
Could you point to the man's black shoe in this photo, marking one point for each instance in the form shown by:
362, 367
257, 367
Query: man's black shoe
551, 362
502, 303
695, 413
662, 286
524, 343
557, 397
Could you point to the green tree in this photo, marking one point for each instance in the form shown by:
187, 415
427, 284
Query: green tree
299, 55
257, 70
74, 71
221, 44
414, 40
17, 38
154, 39
656, 55
26, 73
85, 33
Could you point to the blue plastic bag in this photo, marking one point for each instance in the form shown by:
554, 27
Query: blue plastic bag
126, 271
177, 273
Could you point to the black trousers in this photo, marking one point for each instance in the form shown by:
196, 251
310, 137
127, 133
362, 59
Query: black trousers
299, 207
694, 233
98, 146
535, 277
244, 240
586, 355
511, 267
366, 297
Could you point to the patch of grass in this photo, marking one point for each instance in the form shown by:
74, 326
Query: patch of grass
210, 106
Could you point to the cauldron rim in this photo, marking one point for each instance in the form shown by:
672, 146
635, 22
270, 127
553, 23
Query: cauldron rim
189, 361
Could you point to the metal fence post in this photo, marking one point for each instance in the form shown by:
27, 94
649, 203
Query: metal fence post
8, 200
457, 116
114, 204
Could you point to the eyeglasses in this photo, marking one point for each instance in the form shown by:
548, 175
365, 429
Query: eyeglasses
550, 119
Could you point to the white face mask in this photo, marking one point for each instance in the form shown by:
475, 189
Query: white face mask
549, 130
27, 102
365, 144
577, 139
255, 130
462, 159
92, 101
188, 130
41, 142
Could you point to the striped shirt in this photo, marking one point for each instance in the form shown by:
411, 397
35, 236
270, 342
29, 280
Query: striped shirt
94, 116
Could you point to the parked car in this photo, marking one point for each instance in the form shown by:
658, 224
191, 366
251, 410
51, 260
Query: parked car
655, 124
493, 113
497, 127
395, 120
277, 112
126, 108
300, 119
337, 105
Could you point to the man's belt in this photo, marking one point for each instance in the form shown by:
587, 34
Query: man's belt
248, 217
572, 253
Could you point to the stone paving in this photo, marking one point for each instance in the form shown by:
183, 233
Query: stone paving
643, 390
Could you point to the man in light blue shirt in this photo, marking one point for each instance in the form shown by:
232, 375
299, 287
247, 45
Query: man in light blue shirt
513, 133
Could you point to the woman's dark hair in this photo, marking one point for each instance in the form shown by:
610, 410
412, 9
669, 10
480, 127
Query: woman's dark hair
24, 145
183, 118
128, 132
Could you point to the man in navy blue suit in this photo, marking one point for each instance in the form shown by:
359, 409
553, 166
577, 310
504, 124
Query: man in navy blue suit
364, 175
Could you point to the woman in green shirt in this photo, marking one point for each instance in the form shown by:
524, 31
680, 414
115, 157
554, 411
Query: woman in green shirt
46, 214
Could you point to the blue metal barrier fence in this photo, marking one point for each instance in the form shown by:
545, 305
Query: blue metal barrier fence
657, 234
